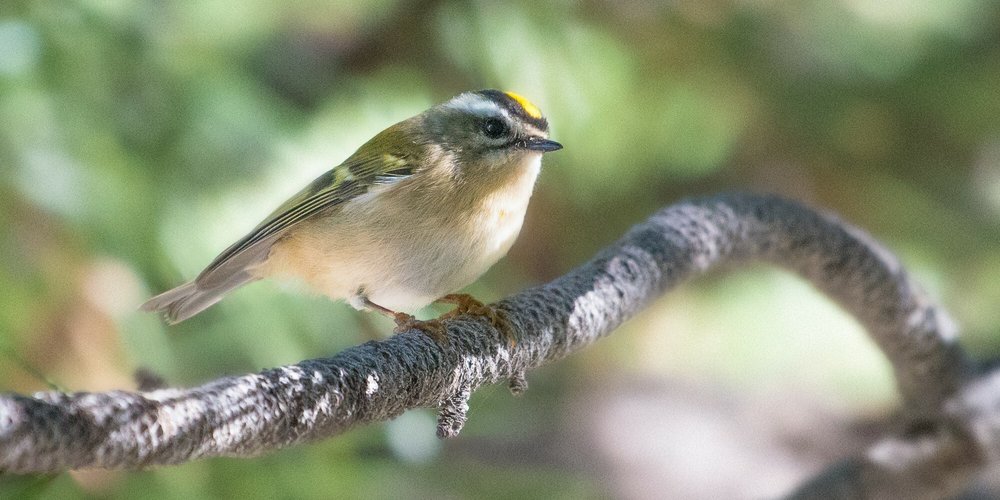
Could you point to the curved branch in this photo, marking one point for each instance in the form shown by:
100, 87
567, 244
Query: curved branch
376, 381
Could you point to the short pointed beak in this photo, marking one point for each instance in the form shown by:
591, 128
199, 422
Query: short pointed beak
543, 145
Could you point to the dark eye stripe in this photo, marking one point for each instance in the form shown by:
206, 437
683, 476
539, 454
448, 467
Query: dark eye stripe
511, 144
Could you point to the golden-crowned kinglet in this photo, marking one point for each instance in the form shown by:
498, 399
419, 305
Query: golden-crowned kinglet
419, 211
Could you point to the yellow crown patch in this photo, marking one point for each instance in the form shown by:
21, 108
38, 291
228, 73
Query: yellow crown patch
529, 108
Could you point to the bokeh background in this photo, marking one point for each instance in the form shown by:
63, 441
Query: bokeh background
138, 138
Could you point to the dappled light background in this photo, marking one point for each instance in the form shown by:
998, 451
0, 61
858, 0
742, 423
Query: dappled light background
139, 138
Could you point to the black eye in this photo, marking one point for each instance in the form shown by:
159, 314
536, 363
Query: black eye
494, 128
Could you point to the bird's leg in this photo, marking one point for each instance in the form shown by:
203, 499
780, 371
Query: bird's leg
467, 304
433, 328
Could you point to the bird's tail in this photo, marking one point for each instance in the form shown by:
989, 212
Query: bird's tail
189, 299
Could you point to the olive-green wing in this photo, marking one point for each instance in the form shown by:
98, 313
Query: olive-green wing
352, 178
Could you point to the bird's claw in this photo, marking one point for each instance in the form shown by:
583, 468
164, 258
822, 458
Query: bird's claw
466, 304
433, 328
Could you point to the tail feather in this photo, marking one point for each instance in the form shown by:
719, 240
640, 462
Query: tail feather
181, 303
227, 273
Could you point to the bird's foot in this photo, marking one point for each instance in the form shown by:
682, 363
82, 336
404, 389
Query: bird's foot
466, 304
433, 328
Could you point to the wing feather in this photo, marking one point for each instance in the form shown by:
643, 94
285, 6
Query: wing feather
348, 180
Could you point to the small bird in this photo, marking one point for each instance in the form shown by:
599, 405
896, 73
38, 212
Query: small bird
418, 212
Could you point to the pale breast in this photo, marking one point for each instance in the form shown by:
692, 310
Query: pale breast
503, 215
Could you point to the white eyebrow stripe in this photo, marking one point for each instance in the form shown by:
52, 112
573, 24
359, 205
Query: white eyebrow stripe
477, 105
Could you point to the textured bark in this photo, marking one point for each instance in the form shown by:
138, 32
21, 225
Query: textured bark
956, 411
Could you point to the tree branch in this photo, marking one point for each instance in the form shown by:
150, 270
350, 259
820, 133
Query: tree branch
376, 381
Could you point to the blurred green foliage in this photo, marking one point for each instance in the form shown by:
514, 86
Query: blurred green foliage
138, 138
